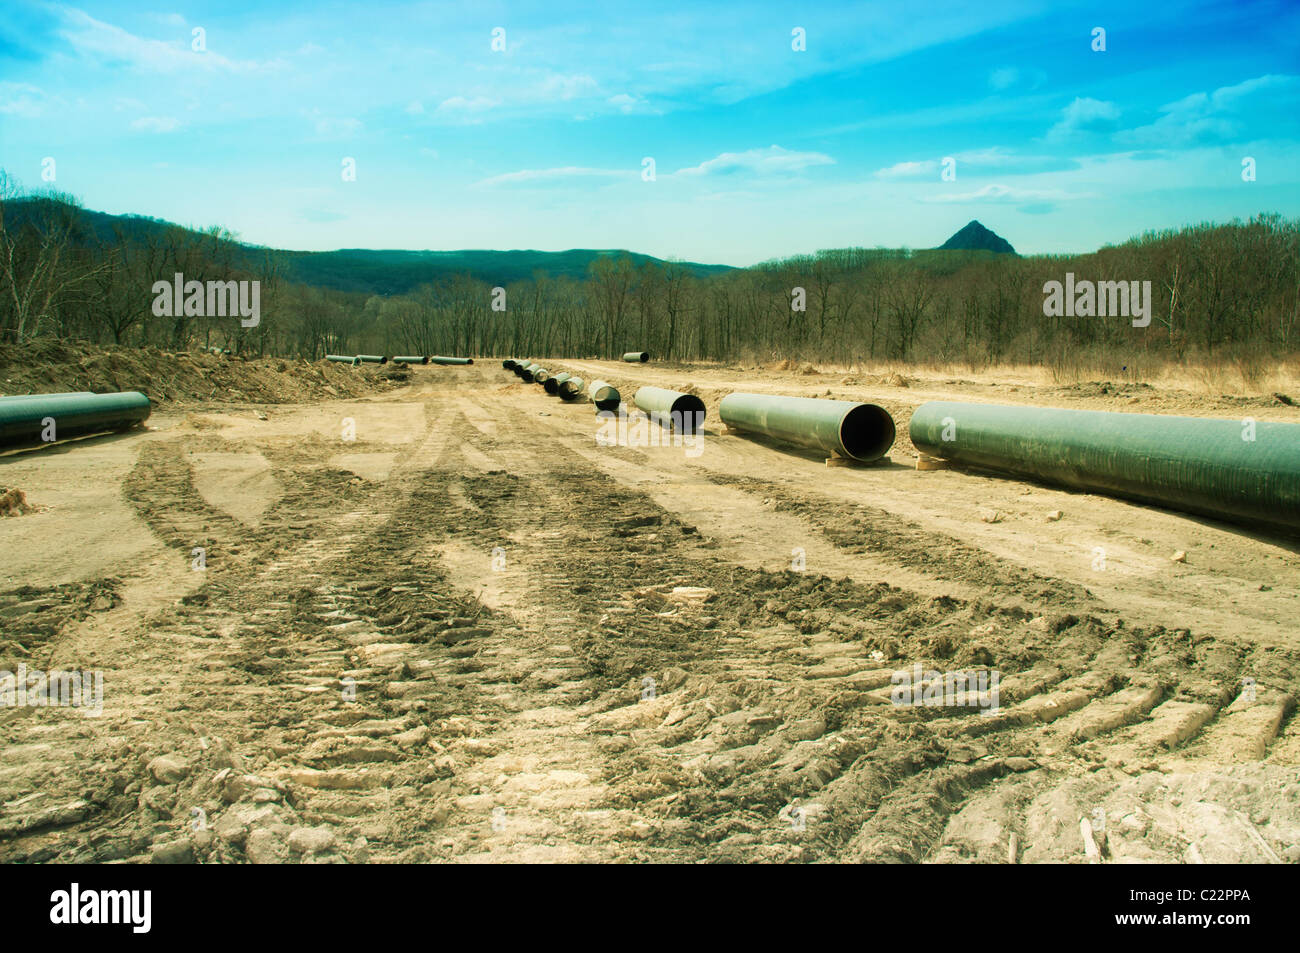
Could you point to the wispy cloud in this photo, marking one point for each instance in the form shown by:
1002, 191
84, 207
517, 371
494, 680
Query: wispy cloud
113, 45
557, 174
22, 100
1220, 116
1003, 195
1085, 115
156, 124
770, 161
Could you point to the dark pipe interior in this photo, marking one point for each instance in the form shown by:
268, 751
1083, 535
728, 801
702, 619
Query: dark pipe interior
688, 414
867, 432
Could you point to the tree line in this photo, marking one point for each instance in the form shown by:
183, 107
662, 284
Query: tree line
1219, 292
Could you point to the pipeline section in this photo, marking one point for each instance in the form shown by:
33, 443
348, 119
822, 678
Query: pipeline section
1239, 470
673, 409
25, 421
857, 431
636, 357
604, 395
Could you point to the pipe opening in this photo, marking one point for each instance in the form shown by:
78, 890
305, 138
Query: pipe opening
686, 416
867, 432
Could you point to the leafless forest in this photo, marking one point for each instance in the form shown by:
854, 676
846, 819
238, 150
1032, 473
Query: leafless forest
1221, 294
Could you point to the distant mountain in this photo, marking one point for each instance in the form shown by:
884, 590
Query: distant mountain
384, 272
975, 237
394, 272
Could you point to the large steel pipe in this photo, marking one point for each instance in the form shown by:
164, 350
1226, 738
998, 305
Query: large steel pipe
670, 408
62, 396
372, 359
636, 357
411, 359
571, 388
25, 421
1230, 469
435, 359
541, 375
528, 371
844, 428
343, 359
552, 384
604, 395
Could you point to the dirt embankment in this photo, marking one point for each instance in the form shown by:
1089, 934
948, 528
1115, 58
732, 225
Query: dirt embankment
182, 377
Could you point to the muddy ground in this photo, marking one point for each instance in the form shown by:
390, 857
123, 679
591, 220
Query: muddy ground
436, 620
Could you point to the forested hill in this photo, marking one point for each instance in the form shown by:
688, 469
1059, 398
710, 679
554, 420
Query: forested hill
396, 272
370, 271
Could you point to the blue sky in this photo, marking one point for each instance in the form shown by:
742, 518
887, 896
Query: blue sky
759, 150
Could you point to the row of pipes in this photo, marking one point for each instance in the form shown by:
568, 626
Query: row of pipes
356, 360
1243, 470
1237, 470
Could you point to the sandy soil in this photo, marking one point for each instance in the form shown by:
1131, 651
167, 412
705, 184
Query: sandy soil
456, 637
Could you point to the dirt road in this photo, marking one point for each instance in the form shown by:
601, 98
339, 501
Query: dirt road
441, 624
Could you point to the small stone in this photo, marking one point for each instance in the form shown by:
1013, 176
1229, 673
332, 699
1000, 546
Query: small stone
1021, 764
990, 516
168, 770
691, 594
1055, 515
1179, 557
311, 840
173, 852
264, 846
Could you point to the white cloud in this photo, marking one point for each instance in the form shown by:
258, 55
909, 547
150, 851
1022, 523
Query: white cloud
1002, 78
331, 127
770, 161
562, 87
22, 100
103, 41
155, 124
1004, 195
909, 170
564, 172
1085, 115
1216, 116
460, 104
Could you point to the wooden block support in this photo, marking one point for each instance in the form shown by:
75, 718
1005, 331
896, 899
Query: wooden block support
835, 460
924, 462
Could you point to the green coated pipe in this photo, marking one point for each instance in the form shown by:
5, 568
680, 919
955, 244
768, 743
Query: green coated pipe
673, 409
552, 384
571, 389
451, 360
508, 364
604, 395
343, 359
843, 428
540, 375
1229, 469
528, 370
636, 357
411, 359
27, 421
63, 396
372, 359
